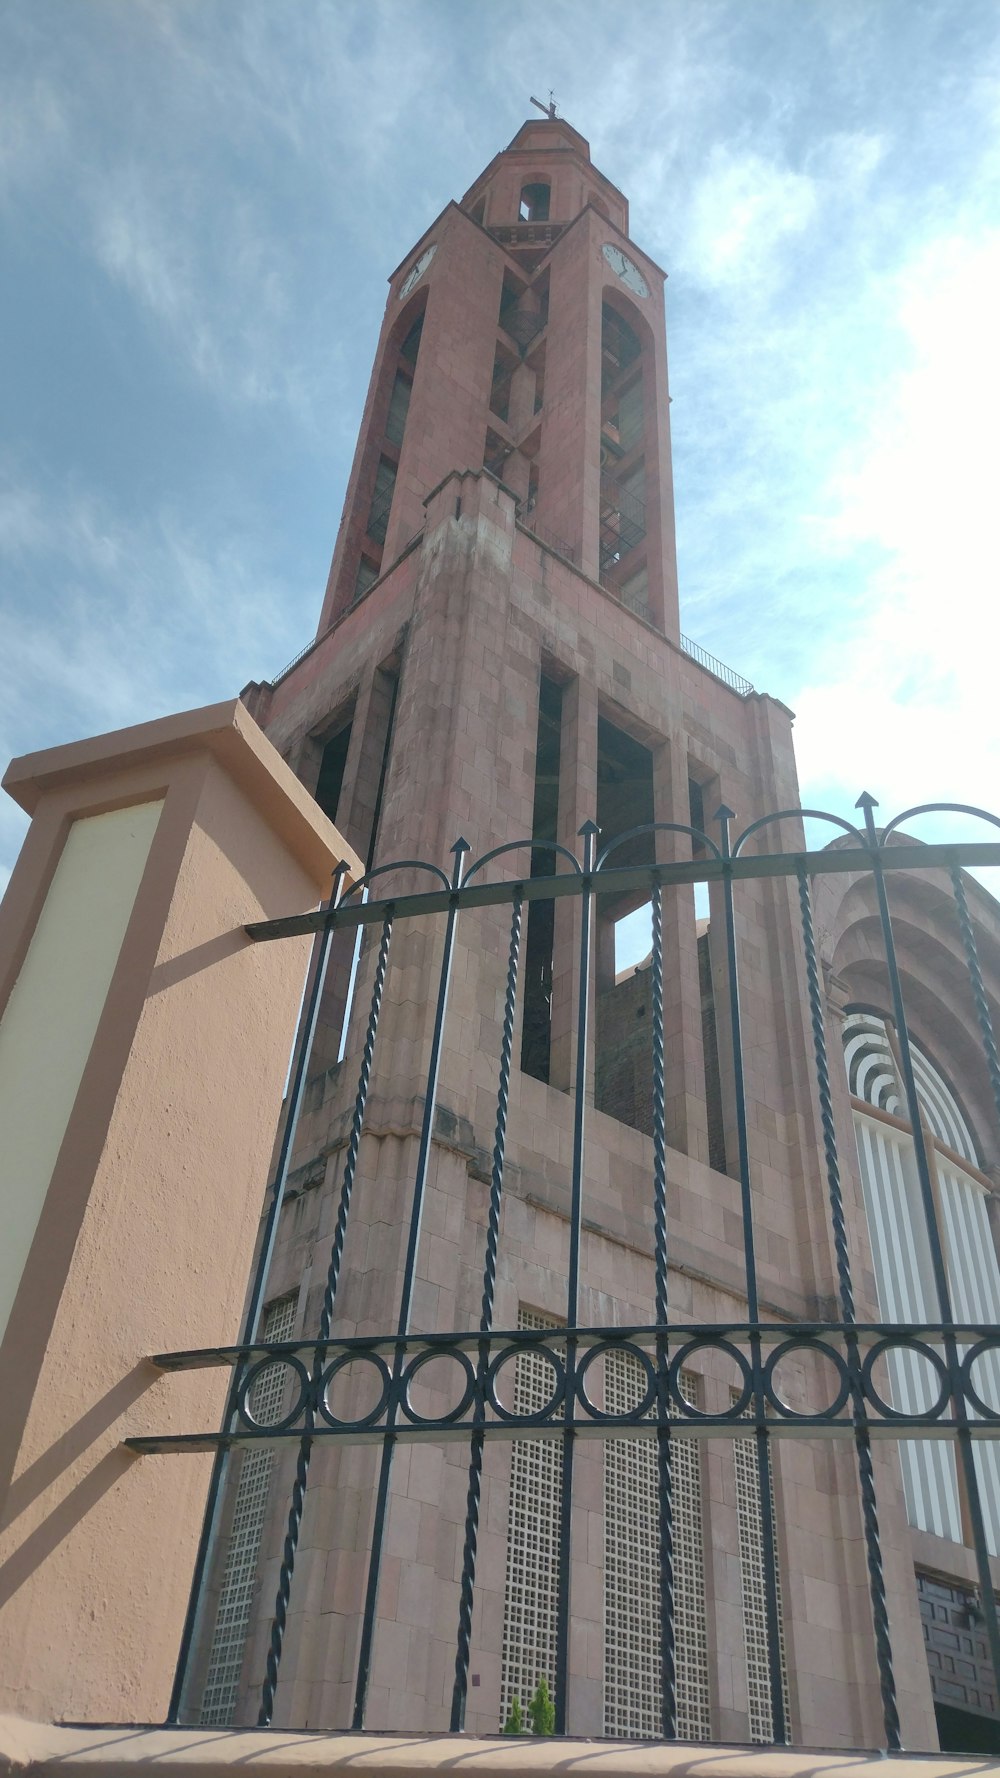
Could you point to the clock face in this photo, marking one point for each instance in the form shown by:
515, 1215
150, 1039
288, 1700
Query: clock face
625, 268
417, 271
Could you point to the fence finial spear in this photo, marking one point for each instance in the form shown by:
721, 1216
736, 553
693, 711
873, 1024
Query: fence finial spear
867, 802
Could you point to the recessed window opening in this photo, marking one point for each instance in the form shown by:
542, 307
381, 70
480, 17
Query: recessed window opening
511, 292
623, 1058
503, 370
378, 513
534, 205
478, 211
696, 814
698, 795
524, 309
630, 416
399, 404
536, 1030
635, 592
710, 1050
620, 346
495, 454
411, 344
332, 766
368, 573
633, 941
623, 513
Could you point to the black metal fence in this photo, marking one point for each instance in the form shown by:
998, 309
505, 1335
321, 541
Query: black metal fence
756, 1346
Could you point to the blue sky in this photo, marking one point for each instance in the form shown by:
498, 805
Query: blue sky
201, 200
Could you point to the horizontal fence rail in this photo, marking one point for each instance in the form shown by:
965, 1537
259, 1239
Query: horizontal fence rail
387, 1371
394, 1365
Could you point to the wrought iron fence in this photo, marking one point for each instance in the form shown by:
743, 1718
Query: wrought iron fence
859, 1410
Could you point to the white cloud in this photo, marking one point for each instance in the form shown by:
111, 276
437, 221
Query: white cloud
33, 131
110, 622
214, 285
745, 211
908, 698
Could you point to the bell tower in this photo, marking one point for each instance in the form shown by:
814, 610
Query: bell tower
499, 661
524, 332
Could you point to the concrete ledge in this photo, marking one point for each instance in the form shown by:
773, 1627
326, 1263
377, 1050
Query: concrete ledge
230, 734
124, 1752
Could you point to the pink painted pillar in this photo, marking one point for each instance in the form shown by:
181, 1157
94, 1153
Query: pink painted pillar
144, 1041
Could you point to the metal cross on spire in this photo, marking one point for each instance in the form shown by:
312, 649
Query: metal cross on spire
549, 109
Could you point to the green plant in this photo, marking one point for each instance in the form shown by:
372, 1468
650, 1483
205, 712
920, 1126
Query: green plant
514, 1724
542, 1711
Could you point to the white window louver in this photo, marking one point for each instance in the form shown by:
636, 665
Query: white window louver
232, 1618
901, 1255
632, 1689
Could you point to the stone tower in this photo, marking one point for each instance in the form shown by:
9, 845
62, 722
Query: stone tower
499, 657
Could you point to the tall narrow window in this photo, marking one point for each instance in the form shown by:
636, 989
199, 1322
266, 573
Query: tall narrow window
750, 1519
531, 1593
330, 782
710, 1048
503, 369
632, 1690
366, 576
411, 345
623, 1078
706, 984
630, 416
399, 403
232, 1617
378, 514
536, 1030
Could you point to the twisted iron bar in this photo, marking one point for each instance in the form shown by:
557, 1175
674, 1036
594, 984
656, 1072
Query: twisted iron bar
301, 1481
258, 1282
772, 1609
978, 986
862, 1441
366, 1641
357, 1121
460, 1690
588, 832
668, 1668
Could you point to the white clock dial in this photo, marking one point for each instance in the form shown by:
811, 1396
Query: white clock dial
625, 268
417, 271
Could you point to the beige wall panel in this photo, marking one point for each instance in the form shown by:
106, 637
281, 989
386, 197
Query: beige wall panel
50, 1019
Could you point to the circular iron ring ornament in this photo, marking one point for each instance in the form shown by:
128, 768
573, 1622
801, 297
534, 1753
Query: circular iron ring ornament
464, 1363
979, 1350
896, 1343
815, 1346
558, 1370
684, 1356
379, 1365
642, 1407
289, 1362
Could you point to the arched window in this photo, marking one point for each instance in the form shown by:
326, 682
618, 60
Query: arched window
904, 1278
534, 205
